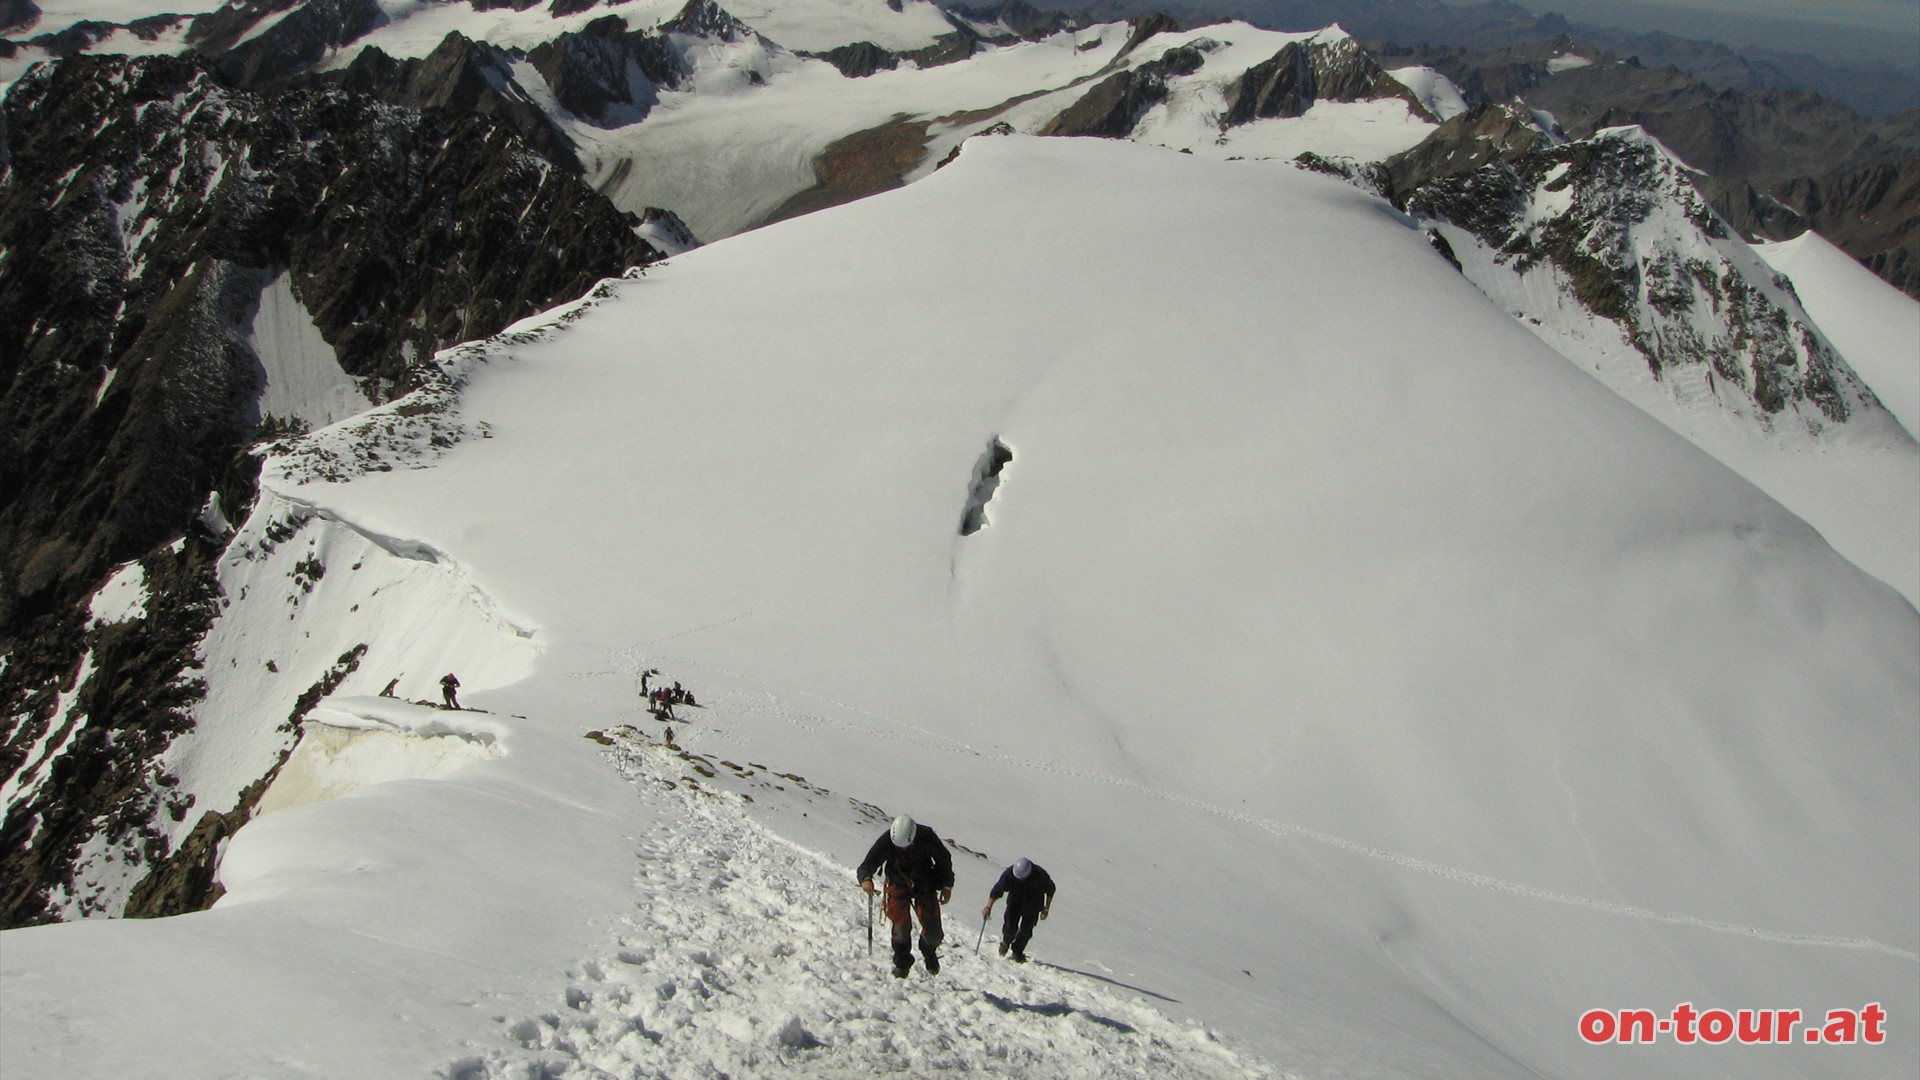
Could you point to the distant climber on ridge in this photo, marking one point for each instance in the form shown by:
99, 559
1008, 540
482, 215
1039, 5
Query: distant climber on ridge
919, 879
449, 684
1029, 893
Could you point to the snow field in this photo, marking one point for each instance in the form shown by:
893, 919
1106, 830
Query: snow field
303, 379
746, 956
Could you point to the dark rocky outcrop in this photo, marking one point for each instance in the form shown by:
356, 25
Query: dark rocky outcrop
860, 59
1773, 162
1872, 212
106, 786
863, 58
15, 14
1685, 293
706, 19
1142, 27
143, 204
590, 72
459, 74
293, 43
135, 189
1480, 136
1115, 105
1021, 20
1302, 73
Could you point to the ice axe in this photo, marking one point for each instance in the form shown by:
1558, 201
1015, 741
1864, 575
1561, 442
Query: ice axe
869, 922
982, 937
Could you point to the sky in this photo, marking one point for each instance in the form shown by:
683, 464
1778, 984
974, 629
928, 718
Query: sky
1880, 31
1884, 14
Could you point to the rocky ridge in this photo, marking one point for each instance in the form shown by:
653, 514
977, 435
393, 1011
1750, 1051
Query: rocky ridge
145, 206
1617, 219
1773, 162
1303, 73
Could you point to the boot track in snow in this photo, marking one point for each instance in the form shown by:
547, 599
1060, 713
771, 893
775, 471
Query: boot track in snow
743, 956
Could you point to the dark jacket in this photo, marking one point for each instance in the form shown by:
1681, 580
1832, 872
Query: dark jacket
922, 867
1023, 896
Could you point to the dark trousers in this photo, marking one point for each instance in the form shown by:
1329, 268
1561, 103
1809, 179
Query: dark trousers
1016, 928
901, 905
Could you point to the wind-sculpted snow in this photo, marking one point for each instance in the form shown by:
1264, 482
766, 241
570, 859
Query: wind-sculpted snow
351, 744
744, 955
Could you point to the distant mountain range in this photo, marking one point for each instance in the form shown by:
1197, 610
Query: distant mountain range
1873, 88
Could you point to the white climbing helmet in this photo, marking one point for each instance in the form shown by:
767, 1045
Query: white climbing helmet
1022, 867
902, 831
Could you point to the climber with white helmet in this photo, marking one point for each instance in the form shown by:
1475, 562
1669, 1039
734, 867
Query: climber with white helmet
1029, 893
919, 879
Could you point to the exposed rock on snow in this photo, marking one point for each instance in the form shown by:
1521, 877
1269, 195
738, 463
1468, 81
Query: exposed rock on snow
1636, 244
986, 480
1302, 73
1467, 141
1113, 108
607, 74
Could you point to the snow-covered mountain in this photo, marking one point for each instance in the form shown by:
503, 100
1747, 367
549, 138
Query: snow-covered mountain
1605, 250
1288, 558
1324, 635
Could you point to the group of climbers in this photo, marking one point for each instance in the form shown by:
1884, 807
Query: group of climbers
662, 699
919, 880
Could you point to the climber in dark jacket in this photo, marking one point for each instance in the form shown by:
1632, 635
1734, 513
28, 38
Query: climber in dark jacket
1029, 893
919, 879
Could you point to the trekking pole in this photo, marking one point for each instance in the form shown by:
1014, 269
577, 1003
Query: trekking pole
869, 924
982, 937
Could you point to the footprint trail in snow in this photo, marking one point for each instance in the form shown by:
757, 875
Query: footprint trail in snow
745, 956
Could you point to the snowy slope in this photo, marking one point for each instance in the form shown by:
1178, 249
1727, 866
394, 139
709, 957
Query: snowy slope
1701, 335
1874, 325
1382, 691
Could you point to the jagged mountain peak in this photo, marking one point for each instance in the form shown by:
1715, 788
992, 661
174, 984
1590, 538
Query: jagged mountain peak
1617, 221
1331, 65
707, 19
1488, 132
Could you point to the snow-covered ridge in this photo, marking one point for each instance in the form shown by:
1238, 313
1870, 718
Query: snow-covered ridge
414, 430
1605, 250
1339, 591
1874, 325
1639, 246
